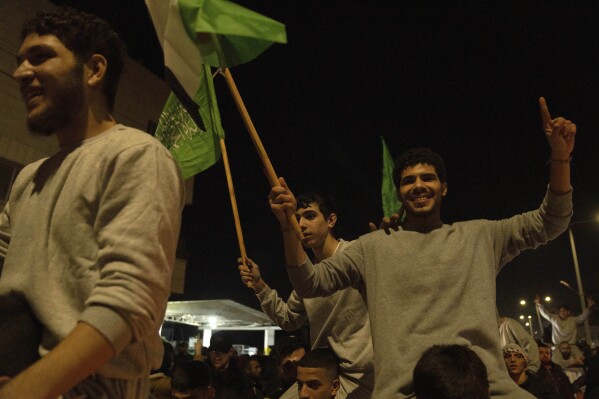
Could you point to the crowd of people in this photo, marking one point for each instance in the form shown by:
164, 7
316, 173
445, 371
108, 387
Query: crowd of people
88, 240
442, 372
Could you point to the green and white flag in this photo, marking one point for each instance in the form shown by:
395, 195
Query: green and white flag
388, 190
193, 35
194, 148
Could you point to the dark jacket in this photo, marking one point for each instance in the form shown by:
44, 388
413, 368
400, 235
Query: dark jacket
539, 387
556, 378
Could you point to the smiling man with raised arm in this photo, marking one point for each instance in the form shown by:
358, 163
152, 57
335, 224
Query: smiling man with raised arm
446, 272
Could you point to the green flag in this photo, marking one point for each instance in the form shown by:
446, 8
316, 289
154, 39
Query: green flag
214, 32
388, 191
228, 34
193, 35
195, 149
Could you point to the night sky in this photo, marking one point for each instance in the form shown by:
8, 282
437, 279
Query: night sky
461, 77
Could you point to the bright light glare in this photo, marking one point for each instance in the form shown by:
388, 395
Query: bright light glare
527, 324
212, 320
547, 299
522, 302
521, 317
529, 316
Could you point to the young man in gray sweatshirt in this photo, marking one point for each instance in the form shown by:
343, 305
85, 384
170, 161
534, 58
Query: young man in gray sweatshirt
88, 236
339, 321
426, 267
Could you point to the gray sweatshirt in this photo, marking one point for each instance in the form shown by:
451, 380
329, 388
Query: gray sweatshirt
433, 288
339, 321
90, 234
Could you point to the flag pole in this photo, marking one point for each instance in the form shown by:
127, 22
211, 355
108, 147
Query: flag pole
270, 172
223, 150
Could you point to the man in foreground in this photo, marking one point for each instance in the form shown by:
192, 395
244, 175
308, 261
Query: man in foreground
446, 272
88, 236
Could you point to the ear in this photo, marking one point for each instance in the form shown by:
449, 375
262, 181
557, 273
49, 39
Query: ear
443, 189
96, 69
331, 220
336, 385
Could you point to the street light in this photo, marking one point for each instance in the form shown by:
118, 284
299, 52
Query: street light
547, 299
587, 328
522, 302
568, 286
529, 324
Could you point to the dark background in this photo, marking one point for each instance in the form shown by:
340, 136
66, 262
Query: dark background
461, 77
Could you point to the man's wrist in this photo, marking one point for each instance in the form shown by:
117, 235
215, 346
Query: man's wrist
259, 286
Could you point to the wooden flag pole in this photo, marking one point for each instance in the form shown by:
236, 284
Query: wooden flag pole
223, 150
270, 172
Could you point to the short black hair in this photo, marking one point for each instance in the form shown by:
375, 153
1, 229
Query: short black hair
543, 345
321, 358
415, 156
85, 35
189, 375
450, 372
564, 306
326, 205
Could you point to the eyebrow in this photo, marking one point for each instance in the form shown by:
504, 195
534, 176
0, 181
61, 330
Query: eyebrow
33, 49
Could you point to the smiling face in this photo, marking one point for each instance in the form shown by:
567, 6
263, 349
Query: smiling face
421, 192
51, 83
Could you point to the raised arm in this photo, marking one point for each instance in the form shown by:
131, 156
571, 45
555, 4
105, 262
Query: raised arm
282, 201
289, 315
586, 312
560, 134
541, 308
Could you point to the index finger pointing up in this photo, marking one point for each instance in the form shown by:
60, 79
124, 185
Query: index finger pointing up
545, 116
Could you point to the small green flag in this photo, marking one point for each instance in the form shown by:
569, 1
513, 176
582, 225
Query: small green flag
388, 191
194, 149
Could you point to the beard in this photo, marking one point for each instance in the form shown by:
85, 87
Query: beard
66, 102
